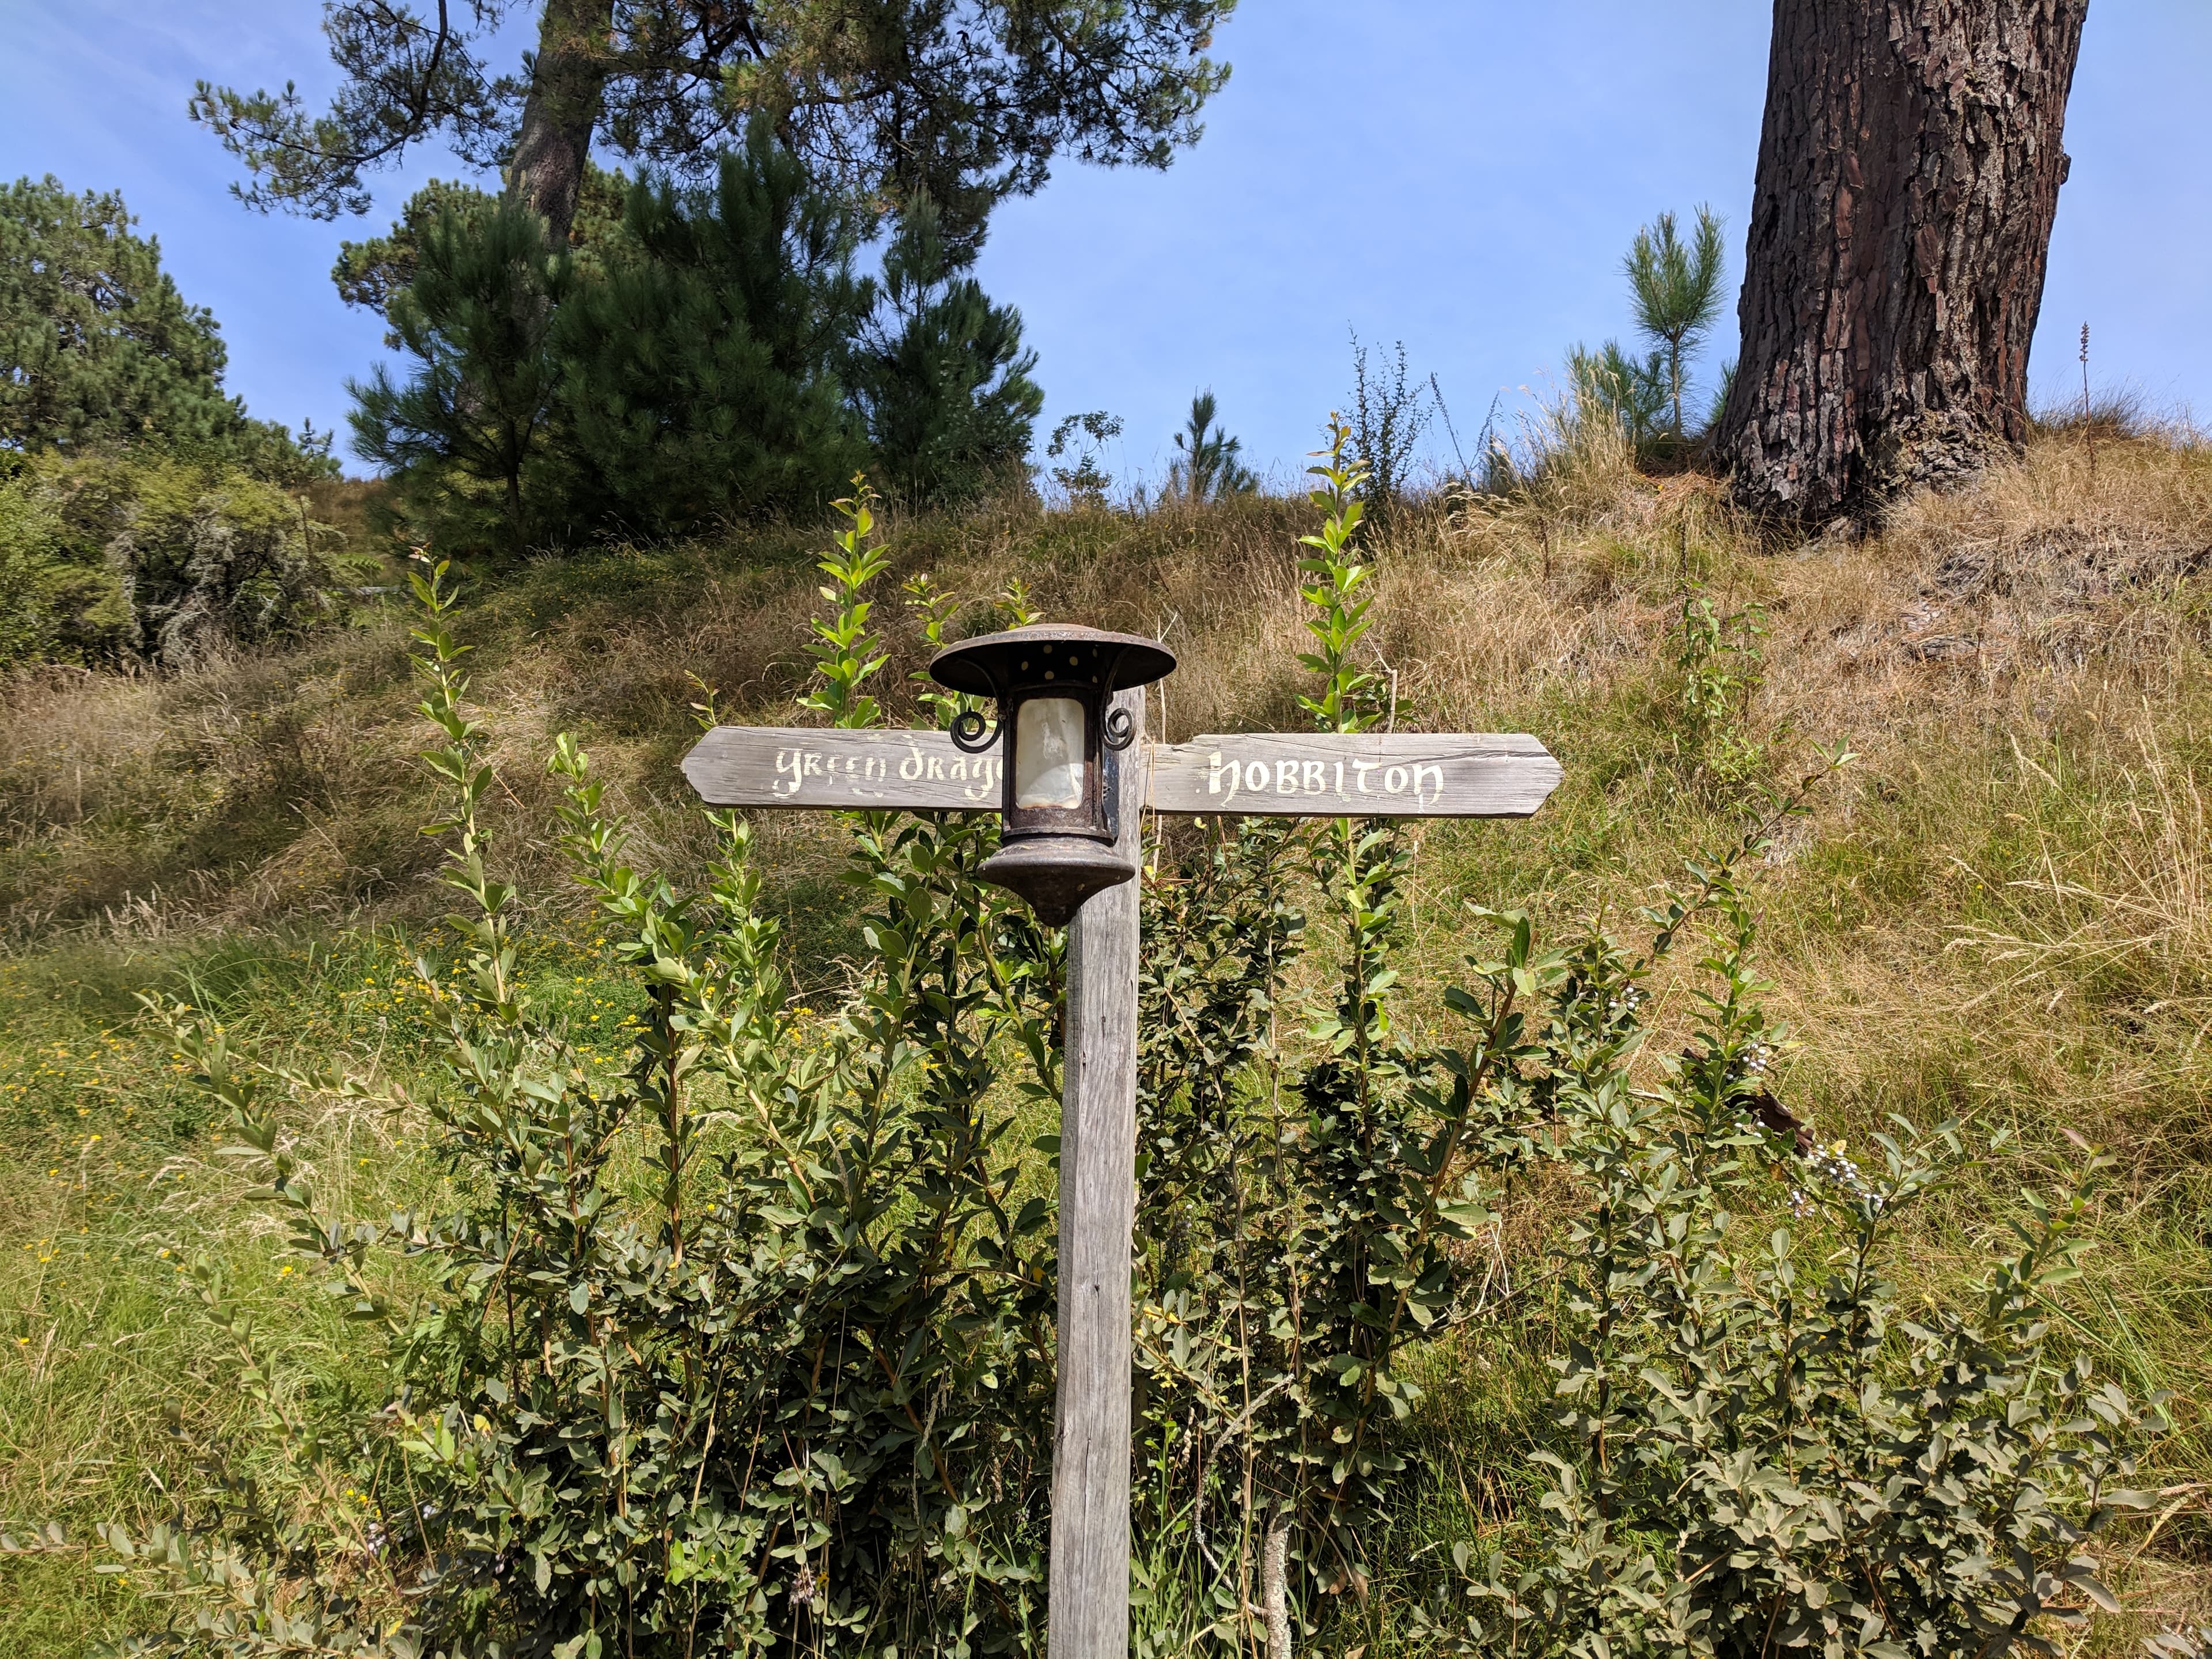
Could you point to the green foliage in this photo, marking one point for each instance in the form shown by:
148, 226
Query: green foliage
1208, 464
965, 107
96, 344
1304, 1204
1609, 385
142, 556
470, 426
1389, 412
1723, 388
1676, 290
1085, 479
38, 587
742, 1343
1760, 1447
715, 361
98, 349
368, 272
699, 370
1332, 578
939, 376
1722, 667
845, 653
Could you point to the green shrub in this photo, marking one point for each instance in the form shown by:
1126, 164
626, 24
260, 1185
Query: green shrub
37, 587
1760, 1448
142, 556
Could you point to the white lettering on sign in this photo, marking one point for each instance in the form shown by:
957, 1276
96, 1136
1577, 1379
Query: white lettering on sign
1421, 783
1311, 774
867, 776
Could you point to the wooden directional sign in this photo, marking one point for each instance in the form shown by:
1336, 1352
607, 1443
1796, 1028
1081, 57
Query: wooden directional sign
1262, 773
1373, 775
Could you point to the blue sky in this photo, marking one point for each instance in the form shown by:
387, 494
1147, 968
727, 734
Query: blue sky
1460, 174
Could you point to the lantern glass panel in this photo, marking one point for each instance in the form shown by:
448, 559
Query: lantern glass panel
1048, 760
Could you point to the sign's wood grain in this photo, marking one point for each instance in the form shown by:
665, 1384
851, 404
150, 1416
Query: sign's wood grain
1262, 774
1374, 774
814, 767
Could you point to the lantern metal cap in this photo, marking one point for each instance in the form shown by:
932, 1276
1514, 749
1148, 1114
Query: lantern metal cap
988, 665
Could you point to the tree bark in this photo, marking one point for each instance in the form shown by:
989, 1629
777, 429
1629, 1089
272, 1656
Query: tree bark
567, 84
1909, 168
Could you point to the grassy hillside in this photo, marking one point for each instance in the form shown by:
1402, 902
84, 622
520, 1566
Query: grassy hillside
2002, 912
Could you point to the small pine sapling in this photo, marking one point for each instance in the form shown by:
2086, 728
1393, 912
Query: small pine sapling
1208, 464
1675, 287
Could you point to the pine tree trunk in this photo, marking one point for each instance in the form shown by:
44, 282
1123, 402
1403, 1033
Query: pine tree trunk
570, 74
1908, 169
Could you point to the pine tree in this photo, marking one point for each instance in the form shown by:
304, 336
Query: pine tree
1208, 464
940, 375
699, 370
96, 344
1612, 385
466, 429
893, 100
368, 272
1909, 164
1676, 289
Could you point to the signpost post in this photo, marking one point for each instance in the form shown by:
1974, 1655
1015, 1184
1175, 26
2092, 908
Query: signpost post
1072, 855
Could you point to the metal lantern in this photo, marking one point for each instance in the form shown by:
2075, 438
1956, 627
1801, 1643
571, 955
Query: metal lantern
1061, 740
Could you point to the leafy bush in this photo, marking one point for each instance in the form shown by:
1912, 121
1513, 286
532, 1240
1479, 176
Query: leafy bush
142, 556
1389, 414
1085, 479
1758, 1448
38, 588
1722, 668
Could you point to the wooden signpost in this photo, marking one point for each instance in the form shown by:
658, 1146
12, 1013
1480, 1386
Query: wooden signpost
1264, 773
1250, 774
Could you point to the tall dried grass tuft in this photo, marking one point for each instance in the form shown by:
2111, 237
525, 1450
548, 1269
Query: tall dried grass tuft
2122, 906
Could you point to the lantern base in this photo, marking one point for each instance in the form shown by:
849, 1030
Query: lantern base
1056, 873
